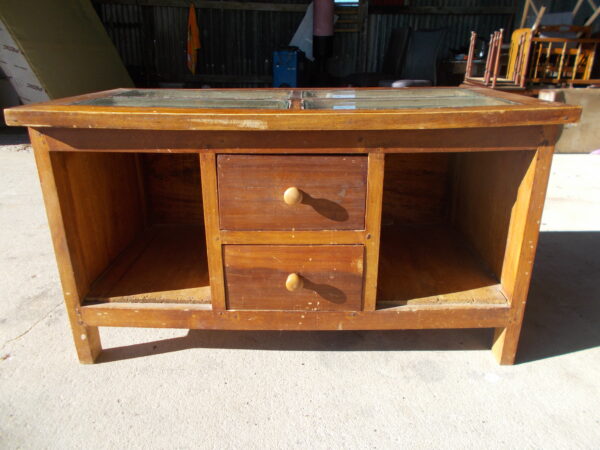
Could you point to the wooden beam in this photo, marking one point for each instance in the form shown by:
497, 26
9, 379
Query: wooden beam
234, 79
210, 200
457, 10
86, 338
576, 8
204, 317
331, 237
248, 6
592, 18
538, 19
373, 227
186, 119
521, 245
528, 4
301, 8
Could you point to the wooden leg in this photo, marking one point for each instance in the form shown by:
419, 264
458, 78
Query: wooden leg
505, 343
520, 251
87, 343
373, 227
87, 339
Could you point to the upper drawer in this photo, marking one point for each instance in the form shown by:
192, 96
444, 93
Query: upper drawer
266, 192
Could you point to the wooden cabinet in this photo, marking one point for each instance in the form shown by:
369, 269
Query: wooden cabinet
295, 210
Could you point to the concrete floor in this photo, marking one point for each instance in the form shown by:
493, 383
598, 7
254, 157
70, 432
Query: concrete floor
208, 389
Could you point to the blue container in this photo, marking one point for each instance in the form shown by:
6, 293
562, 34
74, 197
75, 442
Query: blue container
288, 66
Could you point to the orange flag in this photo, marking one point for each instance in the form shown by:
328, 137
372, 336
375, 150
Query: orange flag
193, 40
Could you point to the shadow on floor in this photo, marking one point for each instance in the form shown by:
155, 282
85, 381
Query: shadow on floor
13, 136
309, 341
563, 309
562, 317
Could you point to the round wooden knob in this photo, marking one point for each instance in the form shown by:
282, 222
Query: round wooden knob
293, 282
292, 196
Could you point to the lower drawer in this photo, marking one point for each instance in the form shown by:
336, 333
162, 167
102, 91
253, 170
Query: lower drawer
294, 277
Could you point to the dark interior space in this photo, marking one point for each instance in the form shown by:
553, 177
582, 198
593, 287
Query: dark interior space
372, 42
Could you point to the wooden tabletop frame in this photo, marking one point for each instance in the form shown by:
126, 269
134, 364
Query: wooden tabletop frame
63, 113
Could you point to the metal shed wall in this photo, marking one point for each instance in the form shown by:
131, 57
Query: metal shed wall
237, 44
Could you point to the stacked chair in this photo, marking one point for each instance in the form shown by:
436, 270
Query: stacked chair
555, 55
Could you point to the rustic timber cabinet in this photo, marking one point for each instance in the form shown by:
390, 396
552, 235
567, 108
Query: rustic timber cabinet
269, 209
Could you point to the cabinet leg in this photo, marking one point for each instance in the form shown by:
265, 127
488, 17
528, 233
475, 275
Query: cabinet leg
504, 346
87, 343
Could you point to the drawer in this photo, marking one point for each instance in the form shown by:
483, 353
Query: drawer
294, 277
322, 192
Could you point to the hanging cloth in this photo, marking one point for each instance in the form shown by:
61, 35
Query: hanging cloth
193, 40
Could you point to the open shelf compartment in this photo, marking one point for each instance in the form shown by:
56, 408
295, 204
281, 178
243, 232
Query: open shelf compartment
165, 264
433, 265
445, 227
135, 226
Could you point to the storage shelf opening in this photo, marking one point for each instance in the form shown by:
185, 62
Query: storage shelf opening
165, 264
445, 224
139, 225
432, 264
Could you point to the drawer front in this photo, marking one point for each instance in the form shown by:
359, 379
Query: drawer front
321, 192
294, 277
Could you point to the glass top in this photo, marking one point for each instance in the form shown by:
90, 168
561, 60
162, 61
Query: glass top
405, 103
321, 99
391, 93
195, 98
374, 99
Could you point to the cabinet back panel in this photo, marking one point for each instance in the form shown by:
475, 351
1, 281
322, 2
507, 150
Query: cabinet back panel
173, 192
416, 188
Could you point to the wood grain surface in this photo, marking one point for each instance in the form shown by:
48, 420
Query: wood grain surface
255, 277
165, 264
203, 317
417, 188
485, 194
208, 170
431, 265
375, 185
522, 111
101, 205
172, 187
456, 250
251, 189
522, 242
260, 142
86, 338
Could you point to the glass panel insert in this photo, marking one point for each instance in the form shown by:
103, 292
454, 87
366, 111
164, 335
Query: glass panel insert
195, 98
390, 93
351, 99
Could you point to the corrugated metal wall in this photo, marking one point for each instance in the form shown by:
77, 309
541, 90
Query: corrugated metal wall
237, 45
459, 29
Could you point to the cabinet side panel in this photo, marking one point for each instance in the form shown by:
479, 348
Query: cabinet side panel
210, 200
101, 205
520, 253
86, 338
485, 194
